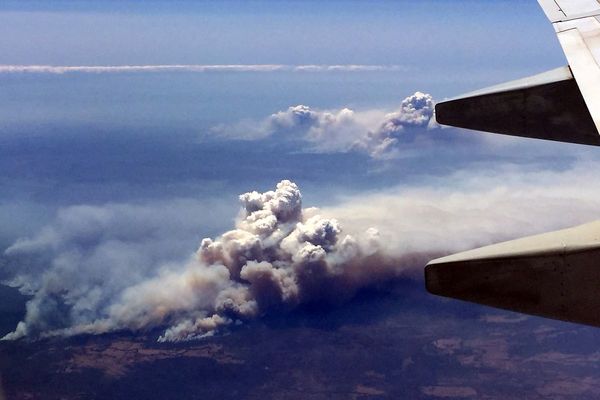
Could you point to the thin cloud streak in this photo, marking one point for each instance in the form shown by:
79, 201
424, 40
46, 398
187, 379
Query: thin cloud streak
63, 69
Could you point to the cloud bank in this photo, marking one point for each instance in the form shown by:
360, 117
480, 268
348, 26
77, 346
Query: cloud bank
100, 69
119, 267
375, 132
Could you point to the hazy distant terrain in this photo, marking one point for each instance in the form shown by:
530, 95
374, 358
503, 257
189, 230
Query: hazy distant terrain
382, 345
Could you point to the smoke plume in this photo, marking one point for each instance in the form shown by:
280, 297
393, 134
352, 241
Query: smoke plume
375, 132
103, 269
278, 257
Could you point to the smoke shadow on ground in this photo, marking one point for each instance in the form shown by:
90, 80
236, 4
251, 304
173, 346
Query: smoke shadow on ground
369, 306
12, 309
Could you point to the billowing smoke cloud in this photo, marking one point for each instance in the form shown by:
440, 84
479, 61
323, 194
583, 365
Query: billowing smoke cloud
375, 132
103, 269
414, 117
76, 266
279, 256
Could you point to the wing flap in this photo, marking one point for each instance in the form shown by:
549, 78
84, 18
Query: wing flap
573, 8
552, 10
578, 31
580, 40
566, 10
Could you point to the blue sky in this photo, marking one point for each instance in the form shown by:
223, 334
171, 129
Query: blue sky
80, 137
83, 151
431, 34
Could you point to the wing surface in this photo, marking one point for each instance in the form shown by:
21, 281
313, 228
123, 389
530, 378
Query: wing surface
577, 25
562, 105
565, 10
557, 274
554, 275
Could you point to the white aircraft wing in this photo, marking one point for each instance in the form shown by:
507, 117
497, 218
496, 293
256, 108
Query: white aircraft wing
577, 25
566, 10
561, 105
554, 275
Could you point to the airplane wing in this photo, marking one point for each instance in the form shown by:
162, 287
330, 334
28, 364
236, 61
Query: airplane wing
557, 274
561, 105
554, 275
568, 10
